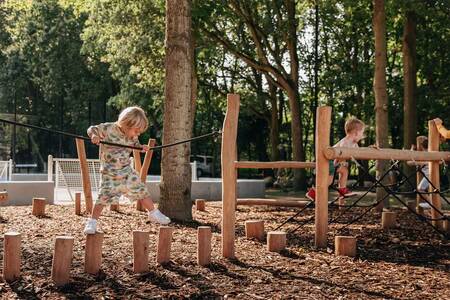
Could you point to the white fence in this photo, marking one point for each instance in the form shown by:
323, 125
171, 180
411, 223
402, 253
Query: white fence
6, 170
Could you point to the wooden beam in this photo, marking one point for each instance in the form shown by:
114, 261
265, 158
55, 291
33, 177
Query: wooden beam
86, 181
274, 164
229, 175
323, 125
433, 145
272, 202
384, 154
143, 170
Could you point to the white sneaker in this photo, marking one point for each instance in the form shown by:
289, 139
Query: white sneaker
157, 216
425, 205
91, 226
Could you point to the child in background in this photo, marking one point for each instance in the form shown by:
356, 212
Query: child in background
354, 132
117, 176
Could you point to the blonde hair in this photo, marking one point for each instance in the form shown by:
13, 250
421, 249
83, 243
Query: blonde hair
353, 124
133, 117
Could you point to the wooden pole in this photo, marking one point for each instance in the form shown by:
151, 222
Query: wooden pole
11, 256
323, 125
93, 253
38, 207
50, 168
200, 204
419, 176
3, 195
144, 170
286, 202
229, 175
433, 146
203, 245
388, 219
137, 161
164, 243
140, 251
78, 204
345, 246
62, 259
276, 241
86, 181
254, 229
366, 153
274, 164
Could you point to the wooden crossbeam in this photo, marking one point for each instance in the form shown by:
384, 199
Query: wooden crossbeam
274, 164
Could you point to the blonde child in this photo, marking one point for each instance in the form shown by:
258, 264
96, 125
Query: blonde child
354, 132
117, 176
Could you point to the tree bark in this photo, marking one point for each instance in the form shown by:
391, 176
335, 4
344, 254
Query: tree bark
176, 174
379, 86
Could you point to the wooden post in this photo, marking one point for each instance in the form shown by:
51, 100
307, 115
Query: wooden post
86, 181
164, 243
50, 168
388, 219
323, 124
114, 207
200, 204
419, 176
254, 229
93, 253
144, 169
3, 196
78, 204
229, 175
137, 161
140, 251
62, 259
38, 207
433, 145
11, 256
345, 246
204, 245
276, 241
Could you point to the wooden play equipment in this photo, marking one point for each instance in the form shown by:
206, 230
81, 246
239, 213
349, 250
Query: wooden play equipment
164, 244
203, 245
93, 253
276, 241
324, 153
345, 246
62, 260
78, 204
200, 204
38, 209
140, 251
11, 256
230, 165
3, 195
388, 219
254, 229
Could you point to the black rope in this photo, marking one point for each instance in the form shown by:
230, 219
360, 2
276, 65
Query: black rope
214, 133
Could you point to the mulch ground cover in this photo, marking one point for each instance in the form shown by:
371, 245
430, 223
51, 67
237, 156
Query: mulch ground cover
411, 261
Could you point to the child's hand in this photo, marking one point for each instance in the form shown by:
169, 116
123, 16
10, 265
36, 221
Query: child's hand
145, 148
437, 121
95, 139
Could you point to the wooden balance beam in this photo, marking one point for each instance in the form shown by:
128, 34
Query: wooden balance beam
286, 202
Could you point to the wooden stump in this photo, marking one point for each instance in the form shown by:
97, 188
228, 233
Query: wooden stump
114, 207
93, 253
62, 259
139, 206
164, 243
345, 246
11, 256
39, 207
78, 204
3, 196
204, 245
140, 251
200, 204
388, 219
276, 241
254, 229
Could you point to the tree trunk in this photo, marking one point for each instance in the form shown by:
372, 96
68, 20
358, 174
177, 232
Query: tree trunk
409, 85
176, 174
379, 86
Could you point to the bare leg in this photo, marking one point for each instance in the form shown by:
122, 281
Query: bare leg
148, 204
343, 176
97, 211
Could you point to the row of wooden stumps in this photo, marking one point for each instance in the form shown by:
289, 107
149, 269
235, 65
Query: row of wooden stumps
63, 253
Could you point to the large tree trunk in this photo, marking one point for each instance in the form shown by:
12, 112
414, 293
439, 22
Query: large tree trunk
176, 174
379, 86
409, 85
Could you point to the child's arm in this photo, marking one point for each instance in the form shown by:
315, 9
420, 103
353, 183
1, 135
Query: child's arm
97, 133
442, 130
